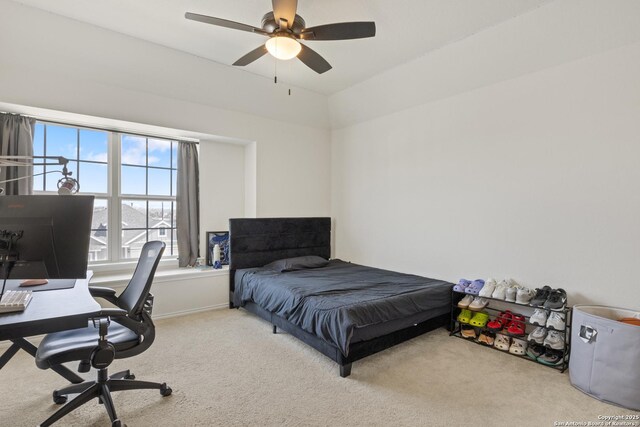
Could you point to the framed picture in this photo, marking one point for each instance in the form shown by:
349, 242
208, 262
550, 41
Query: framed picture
218, 238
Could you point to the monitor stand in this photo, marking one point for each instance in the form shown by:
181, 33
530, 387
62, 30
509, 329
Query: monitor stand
8, 256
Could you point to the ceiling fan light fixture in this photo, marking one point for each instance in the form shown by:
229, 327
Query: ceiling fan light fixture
283, 47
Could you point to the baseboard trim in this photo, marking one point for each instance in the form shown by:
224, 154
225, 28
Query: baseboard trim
4, 345
191, 311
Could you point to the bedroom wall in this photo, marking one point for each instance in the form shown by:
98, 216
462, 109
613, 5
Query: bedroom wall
57, 64
534, 178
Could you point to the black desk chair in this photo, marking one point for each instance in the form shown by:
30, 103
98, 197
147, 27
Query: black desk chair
117, 333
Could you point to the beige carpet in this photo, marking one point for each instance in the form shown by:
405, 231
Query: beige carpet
227, 368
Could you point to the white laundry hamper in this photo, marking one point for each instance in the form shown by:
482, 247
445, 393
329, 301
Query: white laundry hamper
605, 354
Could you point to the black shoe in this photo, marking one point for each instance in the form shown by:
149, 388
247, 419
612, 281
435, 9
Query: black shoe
535, 350
557, 300
551, 357
541, 296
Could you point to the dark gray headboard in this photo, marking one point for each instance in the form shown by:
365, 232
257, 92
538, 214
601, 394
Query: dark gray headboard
254, 242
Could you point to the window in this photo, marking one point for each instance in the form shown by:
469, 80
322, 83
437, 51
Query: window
133, 178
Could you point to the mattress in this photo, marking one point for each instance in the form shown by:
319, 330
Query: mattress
344, 303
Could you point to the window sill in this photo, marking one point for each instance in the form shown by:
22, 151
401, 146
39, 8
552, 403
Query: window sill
129, 266
115, 279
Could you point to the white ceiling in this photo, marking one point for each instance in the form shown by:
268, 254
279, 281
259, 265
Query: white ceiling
406, 29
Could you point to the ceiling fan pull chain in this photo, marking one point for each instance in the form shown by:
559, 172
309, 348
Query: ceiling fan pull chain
289, 72
275, 72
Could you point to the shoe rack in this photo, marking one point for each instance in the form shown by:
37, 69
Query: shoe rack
494, 308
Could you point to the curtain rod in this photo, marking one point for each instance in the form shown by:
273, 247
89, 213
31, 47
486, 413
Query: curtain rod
104, 129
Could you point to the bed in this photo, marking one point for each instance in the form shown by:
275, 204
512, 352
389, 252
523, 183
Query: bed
346, 311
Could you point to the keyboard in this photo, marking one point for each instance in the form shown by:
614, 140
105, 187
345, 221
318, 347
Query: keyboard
15, 301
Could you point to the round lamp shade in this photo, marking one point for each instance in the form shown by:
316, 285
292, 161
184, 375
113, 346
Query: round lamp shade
283, 47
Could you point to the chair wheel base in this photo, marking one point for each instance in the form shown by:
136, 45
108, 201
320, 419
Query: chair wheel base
59, 399
165, 390
130, 377
118, 423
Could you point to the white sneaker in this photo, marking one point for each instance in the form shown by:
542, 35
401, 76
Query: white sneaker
539, 317
512, 290
554, 340
500, 290
556, 321
478, 304
524, 296
464, 302
538, 335
488, 288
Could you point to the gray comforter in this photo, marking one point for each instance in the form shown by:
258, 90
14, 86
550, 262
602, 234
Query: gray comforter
331, 301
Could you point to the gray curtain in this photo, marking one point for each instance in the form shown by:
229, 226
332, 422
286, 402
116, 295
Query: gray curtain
188, 204
16, 139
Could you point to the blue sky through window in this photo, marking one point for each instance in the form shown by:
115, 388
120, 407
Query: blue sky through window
148, 160
133, 180
93, 145
62, 141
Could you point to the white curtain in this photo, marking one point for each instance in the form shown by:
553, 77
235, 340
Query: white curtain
16, 139
188, 204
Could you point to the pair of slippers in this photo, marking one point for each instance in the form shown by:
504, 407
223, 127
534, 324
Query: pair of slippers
511, 323
469, 287
477, 319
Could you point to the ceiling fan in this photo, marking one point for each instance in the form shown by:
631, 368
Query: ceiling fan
285, 28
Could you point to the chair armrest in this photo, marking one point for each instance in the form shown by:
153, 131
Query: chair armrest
105, 293
122, 317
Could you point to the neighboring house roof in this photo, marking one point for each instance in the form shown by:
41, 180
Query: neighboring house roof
131, 218
159, 224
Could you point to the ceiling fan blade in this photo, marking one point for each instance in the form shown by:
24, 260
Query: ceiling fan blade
251, 56
285, 9
224, 23
340, 31
313, 60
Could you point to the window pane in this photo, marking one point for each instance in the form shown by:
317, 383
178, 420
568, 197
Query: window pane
93, 177
98, 244
38, 181
38, 140
174, 182
159, 182
133, 180
93, 145
134, 227
52, 178
134, 214
62, 141
159, 153
134, 150
159, 214
98, 247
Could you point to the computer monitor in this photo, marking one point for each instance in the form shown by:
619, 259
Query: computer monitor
45, 237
